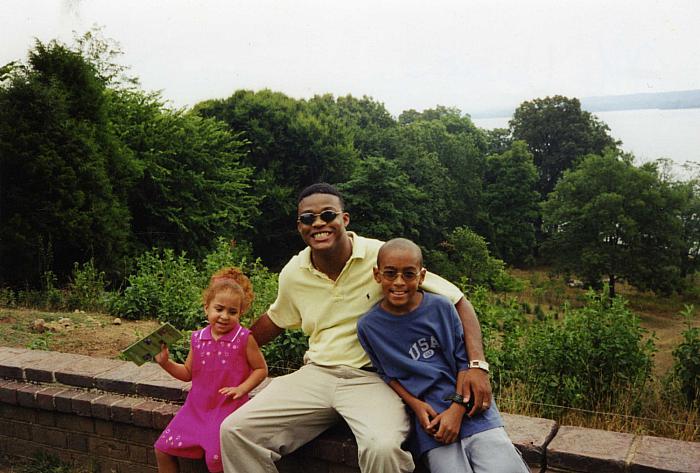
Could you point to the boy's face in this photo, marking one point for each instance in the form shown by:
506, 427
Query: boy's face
319, 234
400, 274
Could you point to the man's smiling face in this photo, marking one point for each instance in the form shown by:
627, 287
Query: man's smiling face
321, 235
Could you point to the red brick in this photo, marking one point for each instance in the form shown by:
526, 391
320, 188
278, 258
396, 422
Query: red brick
101, 407
45, 397
160, 385
104, 428
62, 400
49, 436
47, 373
121, 410
8, 391
121, 379
134, 434
13, 367
82, 403
83, 370
142, 414
78, 441
164, 414
26, 395
108, 448
139, 454
17, 413
75, 423
21, 430
46, 418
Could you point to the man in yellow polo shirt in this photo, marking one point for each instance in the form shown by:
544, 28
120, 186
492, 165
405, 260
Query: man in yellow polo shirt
324, 290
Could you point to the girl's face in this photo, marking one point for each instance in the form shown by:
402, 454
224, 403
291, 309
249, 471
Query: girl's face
223, 312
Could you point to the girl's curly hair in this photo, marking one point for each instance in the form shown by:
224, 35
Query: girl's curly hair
231, 279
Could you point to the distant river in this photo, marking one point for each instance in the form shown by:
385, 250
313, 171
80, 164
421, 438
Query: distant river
648, 134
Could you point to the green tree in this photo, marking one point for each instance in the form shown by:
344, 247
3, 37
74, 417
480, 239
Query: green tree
63, 178
511, 203
610, 218
465, 255
461, 149
382, 201
291, 144
193, 186
559, 134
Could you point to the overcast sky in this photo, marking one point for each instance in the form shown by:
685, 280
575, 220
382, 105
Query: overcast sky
472, 54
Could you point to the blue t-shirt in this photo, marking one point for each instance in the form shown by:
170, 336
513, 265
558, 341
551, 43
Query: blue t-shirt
423, 350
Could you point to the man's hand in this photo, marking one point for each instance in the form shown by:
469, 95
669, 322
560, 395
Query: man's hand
448, 424
476, 384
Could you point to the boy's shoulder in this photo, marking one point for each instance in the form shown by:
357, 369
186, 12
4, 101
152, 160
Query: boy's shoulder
374, 314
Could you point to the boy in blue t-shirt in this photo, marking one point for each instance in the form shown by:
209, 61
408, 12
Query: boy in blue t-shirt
416, 343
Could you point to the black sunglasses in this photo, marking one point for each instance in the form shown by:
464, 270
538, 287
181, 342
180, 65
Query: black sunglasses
392, 274
308, 218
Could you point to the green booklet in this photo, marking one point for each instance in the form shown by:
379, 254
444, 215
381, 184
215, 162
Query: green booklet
149, 346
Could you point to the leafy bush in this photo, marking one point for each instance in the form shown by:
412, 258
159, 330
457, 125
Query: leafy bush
166, 287
87, 287
286, 352
465, 254
687, 360
587, 356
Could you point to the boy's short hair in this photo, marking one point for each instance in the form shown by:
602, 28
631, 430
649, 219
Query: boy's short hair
401, 244
321, 188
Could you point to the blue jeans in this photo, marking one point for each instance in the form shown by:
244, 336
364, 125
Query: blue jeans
490, 451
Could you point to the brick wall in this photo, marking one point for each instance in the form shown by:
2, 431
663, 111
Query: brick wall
106, 414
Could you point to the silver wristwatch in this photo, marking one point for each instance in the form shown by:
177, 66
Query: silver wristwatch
481, 364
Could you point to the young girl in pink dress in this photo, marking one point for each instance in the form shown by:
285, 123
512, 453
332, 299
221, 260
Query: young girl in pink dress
224, 365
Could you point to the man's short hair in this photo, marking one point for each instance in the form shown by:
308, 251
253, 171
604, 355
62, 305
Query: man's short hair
321, 188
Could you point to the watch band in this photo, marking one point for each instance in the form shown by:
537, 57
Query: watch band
481, 364
459, 399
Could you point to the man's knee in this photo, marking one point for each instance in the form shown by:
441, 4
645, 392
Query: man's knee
382, 448
233, 427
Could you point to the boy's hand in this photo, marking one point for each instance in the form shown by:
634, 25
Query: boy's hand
424, 412
235, 392
476, 384
164, 355
447, 424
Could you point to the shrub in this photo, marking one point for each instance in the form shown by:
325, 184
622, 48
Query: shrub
87, 287
687, 360
286, 352
166, 287
587, 356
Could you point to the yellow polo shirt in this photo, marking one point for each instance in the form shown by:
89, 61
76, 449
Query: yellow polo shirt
327, 311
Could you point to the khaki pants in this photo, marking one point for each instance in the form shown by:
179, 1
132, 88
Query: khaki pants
295, 408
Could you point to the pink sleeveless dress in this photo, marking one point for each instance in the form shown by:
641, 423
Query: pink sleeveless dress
194, 431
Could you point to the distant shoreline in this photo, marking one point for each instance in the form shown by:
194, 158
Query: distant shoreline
678, 100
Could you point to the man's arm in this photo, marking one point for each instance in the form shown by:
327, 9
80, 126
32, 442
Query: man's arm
265, 330
476, 381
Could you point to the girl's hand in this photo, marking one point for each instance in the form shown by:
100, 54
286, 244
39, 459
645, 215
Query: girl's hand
164, 355
235, 392
424, 413
448, 423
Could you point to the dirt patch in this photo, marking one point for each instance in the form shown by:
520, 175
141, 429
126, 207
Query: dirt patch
91, 334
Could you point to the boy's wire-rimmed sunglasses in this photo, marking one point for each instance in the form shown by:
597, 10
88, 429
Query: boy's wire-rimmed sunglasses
308, 218
392, 274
